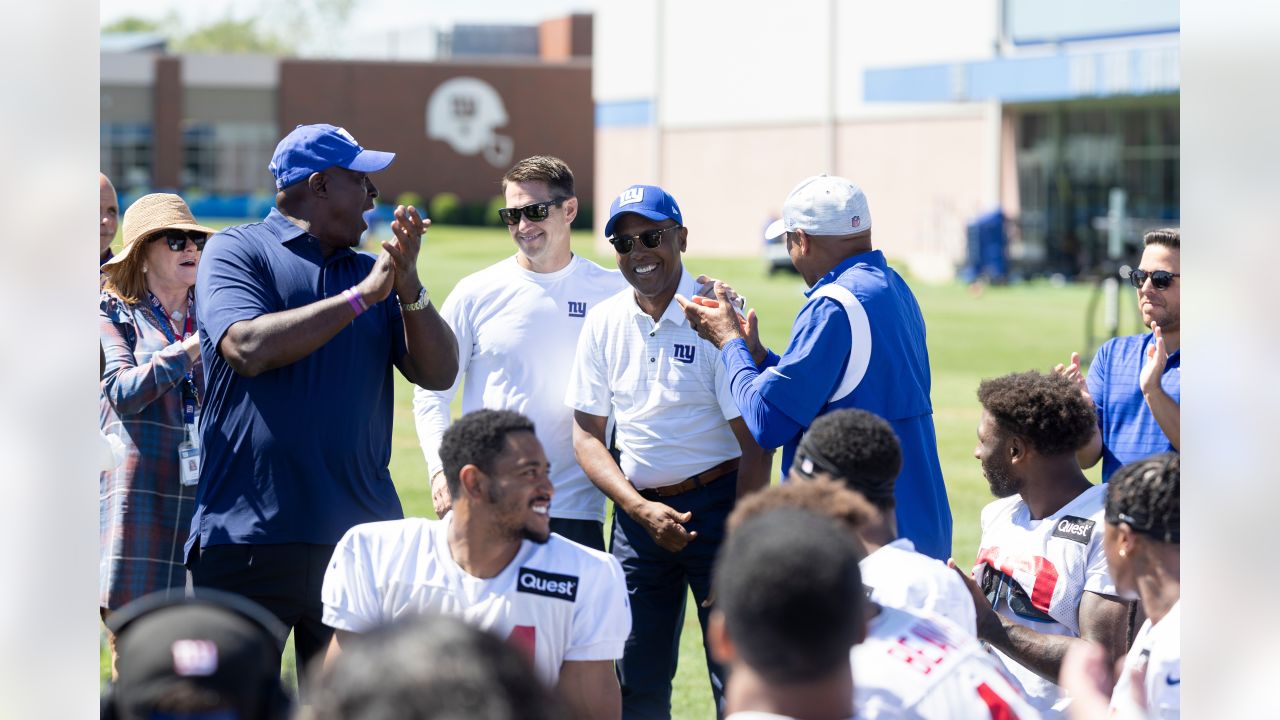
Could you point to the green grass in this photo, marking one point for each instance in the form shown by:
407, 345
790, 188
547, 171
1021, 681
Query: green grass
971, 336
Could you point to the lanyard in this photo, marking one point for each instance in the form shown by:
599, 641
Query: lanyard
189, 399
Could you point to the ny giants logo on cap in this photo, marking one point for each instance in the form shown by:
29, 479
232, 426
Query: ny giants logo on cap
631, 195
1074, 528
552, 585
194, 658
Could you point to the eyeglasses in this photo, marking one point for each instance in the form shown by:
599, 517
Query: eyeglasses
177, 239
537, 212
1160, 279
651, 239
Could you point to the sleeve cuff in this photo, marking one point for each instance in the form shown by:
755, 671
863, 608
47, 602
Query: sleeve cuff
605, 650
343, 619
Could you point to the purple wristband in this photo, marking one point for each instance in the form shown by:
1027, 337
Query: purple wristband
355, 300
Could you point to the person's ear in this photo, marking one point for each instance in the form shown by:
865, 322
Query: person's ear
1017, 449
804, 242
471, 482
718, 640
570, 209
318, 183
683, 233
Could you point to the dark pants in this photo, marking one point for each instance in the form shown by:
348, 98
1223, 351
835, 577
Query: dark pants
658, 583
284, 579
583, 532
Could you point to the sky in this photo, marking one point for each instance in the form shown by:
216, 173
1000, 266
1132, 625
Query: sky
372, 21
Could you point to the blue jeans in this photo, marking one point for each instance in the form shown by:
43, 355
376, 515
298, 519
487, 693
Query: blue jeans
658, 583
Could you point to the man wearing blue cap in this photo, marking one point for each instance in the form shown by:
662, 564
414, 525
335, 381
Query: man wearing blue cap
299, 333
683, 453
859, 342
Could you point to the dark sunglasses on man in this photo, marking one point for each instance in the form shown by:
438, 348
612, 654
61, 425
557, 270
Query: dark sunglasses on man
651, 239
1160, 279
536, 212
177, 239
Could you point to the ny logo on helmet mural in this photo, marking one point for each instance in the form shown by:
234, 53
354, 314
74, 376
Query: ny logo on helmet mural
466, 112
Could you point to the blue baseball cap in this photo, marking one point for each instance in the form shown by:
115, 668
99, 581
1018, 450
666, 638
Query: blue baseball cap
648, 201
313, 148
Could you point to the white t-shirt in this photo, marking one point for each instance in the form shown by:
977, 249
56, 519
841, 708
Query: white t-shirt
898, 576
1044, 567
517, 332
916, 666
558, 601
1158, 648
665, 387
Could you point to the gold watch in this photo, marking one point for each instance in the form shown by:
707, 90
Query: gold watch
423, 299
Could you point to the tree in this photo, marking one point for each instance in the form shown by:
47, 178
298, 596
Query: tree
232, 36
132, 24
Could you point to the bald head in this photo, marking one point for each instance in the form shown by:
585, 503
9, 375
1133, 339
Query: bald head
108, 213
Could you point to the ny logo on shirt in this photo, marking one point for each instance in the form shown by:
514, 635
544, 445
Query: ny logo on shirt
577, 309
684, 353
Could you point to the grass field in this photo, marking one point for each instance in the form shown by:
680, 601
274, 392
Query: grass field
971, 336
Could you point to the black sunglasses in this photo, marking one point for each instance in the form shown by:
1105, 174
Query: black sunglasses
177, 239
537, 212
1161, 279
651, 239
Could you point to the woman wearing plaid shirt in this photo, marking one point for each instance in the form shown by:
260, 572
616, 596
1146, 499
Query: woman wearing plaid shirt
151, 387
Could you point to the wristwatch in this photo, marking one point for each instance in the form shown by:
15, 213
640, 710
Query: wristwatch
420, 303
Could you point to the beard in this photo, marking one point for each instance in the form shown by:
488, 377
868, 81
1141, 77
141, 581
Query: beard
1003, 483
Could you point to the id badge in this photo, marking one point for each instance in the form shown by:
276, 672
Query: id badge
189, 463
193, 437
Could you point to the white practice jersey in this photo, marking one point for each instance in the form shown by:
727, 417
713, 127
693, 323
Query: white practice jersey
1157, 650
517, 333
1036, 572
898, 576
557, 601
917, 666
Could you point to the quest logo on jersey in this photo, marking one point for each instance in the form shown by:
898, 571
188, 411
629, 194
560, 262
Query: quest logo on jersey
552, 585
1075, 528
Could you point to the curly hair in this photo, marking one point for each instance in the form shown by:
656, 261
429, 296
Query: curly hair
1046, 409
1144, 494
821, 497
860, 448
542, 168
478, 438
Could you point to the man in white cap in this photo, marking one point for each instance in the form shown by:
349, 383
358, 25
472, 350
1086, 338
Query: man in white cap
859, 342
299, 333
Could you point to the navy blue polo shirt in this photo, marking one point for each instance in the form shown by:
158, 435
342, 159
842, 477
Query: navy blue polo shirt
297, 454
1129, 430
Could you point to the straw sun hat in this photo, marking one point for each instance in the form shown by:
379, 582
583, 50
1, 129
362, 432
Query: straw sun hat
149, 213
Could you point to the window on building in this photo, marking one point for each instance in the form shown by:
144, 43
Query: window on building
125, 155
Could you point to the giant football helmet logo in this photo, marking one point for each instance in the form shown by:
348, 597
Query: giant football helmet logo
466, 113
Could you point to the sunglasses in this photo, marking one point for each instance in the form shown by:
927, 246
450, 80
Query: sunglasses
537, 212
651, 239
177, 239
1160, 279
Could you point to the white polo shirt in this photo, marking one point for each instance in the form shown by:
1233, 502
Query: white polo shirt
517, 333
664, 385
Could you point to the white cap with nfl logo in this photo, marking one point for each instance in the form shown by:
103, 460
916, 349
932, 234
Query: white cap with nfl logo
823, 205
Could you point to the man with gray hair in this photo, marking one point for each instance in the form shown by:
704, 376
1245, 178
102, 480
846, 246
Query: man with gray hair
859, 342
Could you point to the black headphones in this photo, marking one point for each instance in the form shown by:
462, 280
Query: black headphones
276, 701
